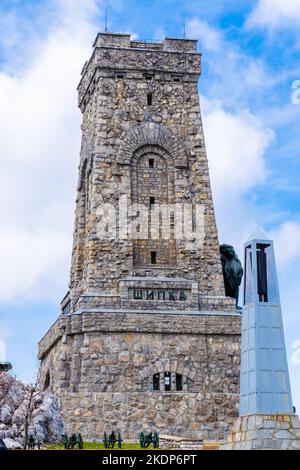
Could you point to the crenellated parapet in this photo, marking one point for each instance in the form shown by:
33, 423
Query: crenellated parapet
171, 60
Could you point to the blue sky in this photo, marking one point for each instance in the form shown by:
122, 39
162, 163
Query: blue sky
251, 57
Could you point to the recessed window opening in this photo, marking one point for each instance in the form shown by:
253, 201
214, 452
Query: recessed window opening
167, 380
153, 257
156, 382
149, 99
262, 278
151, 203
178, 382
151, 162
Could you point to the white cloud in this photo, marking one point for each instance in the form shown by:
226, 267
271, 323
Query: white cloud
39, 148
227, 64
236, 140
274, 13
210, 38
287, 243
236, 145
35, 262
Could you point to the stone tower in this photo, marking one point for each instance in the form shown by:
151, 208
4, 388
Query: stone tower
146, 338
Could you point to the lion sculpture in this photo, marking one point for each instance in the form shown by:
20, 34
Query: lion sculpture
232, 271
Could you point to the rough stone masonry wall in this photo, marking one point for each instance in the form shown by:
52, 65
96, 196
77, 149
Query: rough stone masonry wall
101, 367
113, 99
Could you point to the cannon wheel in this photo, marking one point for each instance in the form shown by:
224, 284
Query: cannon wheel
65, 441
119, 440
72, 441
105, 440
156, 440
80, 441
142, 440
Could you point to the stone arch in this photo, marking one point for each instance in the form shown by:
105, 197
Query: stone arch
166, 365
150, 133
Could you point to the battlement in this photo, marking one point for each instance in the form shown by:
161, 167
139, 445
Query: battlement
116, 56
124, 41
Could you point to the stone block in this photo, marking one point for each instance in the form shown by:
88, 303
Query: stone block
295, 444
283, 434
270, 424
284, 444
295, 422
245, 424
272, 444
237, 425
295, 433
258, 444
251, 422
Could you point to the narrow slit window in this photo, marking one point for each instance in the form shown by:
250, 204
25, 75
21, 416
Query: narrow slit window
167, 381
149, 99
178, 382
153, 257
156, 382
262, 279
151, 203
151, 162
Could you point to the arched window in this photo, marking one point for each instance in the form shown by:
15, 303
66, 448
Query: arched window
167, 382
156, 384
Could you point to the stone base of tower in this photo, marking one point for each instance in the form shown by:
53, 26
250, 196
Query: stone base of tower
104, 367
201, 416
264, 432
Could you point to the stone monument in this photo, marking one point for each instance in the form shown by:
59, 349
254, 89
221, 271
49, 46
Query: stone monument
267, 419
147, 339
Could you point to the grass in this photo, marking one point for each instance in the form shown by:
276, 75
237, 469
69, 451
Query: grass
99, 446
